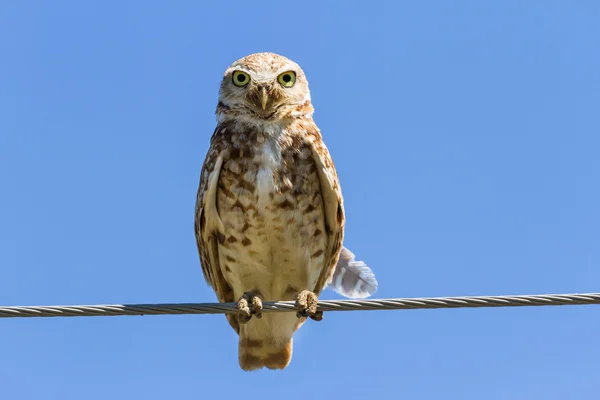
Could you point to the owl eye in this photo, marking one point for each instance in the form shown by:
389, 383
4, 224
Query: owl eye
240, 78
287, 79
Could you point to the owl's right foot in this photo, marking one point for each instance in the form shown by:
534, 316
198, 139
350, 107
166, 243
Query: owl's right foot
248, 305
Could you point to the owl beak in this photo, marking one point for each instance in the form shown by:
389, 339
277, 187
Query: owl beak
264, 97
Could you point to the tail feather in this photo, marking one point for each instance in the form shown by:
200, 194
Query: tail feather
256, 354
351, 278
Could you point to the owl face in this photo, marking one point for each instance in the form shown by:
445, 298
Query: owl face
265, 86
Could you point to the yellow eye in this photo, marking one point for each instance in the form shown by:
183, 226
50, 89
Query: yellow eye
240, 78
287, 79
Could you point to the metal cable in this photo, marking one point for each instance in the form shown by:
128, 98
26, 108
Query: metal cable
282, 306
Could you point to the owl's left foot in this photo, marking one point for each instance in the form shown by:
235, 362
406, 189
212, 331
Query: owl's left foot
306, 304
248, 305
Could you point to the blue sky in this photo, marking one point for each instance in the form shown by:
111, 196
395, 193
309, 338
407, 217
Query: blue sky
466, 137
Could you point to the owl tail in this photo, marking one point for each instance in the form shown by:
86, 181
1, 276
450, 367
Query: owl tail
254, 353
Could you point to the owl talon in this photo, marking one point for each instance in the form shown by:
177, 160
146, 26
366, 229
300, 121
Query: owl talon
256, 307
318, 316
248, 305
306, 304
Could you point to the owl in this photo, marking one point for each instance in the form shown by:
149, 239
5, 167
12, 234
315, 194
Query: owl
269, 218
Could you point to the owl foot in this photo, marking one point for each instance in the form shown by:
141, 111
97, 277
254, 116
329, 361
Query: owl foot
248, 305
306, 304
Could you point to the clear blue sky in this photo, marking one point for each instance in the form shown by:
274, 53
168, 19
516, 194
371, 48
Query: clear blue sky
467, 138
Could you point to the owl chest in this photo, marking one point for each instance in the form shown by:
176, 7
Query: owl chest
270, 174
271, 207
270, 193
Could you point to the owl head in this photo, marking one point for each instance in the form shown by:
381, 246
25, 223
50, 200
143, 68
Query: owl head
264, 86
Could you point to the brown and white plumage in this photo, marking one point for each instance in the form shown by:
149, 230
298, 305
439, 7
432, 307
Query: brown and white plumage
269, 212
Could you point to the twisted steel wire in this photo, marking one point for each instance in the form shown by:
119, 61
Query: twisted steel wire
283, 306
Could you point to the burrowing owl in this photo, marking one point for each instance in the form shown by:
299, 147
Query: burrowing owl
269, 212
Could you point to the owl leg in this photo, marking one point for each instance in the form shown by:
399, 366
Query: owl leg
248, 305
306, 304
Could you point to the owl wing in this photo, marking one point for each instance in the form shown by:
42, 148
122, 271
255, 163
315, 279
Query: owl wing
333, 206
209, 227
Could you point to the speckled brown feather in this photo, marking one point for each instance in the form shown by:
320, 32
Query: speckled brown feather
239, 195
207, 241
274, 234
